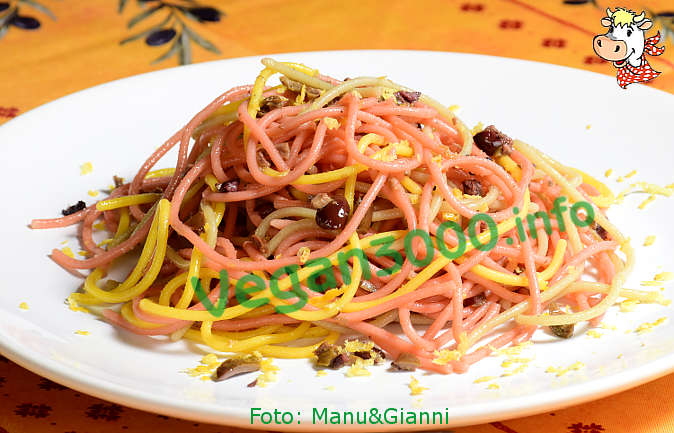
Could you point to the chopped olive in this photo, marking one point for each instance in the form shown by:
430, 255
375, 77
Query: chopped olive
407, 96
262, 161
119, 181
380, 354
264, 209
375, 353
472, 187
74, 208
272, 103
363, 354
296, 87
235, 366
333, 216
229, 186
340, 361
601, 231
320, 200
196, 222
330, 355
477, 300
491, 140
368, 286
561, 331
405, 362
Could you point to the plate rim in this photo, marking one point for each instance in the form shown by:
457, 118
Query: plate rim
516, 407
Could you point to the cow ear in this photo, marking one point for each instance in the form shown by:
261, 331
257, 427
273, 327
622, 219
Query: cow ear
645, 24
606, 22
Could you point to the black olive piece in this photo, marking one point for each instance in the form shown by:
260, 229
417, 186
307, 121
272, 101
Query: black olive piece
4, 6
477, 300
363, 354
229, 186
406, 362
235, 366
561, 331
405, 96
601, 231
330, 355
491, 140
472, 187
206, 14
264, 209
74, 208
333, 216
379, 353
160, 37
26, 23
272, 103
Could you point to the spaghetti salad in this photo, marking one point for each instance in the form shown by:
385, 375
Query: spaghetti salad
321, 208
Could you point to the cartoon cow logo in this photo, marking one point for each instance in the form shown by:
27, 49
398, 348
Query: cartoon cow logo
625, 45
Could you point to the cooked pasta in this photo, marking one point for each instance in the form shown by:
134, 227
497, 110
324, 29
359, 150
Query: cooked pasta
364, 194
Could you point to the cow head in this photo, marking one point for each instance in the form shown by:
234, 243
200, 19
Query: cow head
624, 40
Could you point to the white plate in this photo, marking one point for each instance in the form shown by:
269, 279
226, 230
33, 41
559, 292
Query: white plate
116, 125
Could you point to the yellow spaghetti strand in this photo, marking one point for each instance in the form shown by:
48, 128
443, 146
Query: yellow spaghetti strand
129, 200
247, 344
436, 265
510, 166
195, 266
156, 241
344, 172
123, 225
242, 335
411, 185
192, 191
162, 172
606, 197
284, 284
521, 280
296, 352
350, 191
127, 312
333, 308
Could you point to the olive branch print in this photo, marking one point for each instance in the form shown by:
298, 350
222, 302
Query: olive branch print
173, 27
11, 14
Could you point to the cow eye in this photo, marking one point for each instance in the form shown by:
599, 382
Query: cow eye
629, 33
610, 29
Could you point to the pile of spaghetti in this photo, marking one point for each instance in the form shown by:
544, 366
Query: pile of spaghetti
257, 168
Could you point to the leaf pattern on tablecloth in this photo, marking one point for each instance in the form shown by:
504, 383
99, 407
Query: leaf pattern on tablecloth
173, 27
48, 385
107, 412
579, 427
33, 410
13, 15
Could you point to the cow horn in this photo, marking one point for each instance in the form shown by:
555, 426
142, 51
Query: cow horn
640, 17
608, 12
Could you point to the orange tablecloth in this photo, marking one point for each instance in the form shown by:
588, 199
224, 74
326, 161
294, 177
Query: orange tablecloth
48, 53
